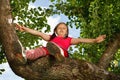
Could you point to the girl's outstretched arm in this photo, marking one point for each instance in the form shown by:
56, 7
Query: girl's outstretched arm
99, 39
34, 32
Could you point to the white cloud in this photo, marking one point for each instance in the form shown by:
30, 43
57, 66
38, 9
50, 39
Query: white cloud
31, 6
38, 3
53, 21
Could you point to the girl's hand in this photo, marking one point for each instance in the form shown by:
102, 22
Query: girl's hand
19, 27
100, 38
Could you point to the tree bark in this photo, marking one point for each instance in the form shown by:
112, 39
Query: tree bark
45, 68
109, 53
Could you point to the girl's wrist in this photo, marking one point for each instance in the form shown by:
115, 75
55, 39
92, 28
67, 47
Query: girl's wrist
95, 40
22, 30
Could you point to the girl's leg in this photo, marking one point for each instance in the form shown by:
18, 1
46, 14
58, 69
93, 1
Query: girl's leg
55, 51
35, 53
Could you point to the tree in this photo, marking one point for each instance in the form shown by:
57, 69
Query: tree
72, 69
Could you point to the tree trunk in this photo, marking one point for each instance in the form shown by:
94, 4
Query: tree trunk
45, 68
112, 48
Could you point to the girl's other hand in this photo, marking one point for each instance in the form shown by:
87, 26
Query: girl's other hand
100, 38
19, 27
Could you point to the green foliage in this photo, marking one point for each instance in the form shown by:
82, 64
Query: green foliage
2, 58
2, 70
2, 55
34, 18
115, 63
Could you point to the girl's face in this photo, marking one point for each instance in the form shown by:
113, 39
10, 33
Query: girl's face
61, 30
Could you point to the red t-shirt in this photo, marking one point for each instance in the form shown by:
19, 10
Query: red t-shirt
64, 43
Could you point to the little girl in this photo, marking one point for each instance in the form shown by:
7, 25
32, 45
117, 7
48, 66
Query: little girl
58, 42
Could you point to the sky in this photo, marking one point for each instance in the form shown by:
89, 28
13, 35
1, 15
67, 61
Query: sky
52, 21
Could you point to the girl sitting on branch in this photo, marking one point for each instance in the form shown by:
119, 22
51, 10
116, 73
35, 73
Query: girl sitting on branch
58, 42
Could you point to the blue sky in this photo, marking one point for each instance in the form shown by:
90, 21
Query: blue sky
52, 21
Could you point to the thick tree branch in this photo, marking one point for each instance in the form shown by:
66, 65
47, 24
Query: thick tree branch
109, 53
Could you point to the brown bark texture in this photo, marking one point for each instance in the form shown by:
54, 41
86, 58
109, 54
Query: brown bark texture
45, 68
110, 51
